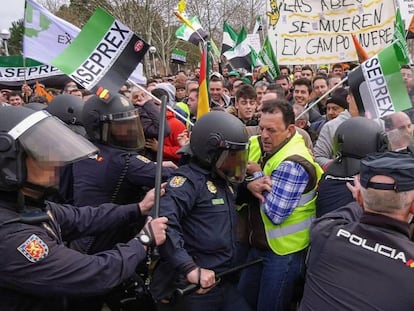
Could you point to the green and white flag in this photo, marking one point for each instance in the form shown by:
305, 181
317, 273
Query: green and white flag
240, 55
14, 70
258, 26
229, 38
400, 41
378, 87
179, 56
187, 34
103, 55
268, 58
45, 35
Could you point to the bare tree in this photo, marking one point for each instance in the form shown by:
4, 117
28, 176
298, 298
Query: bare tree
154, 20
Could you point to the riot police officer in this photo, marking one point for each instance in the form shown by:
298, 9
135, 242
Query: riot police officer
37, 271
118, 174
354, 140
68, 108
199, 204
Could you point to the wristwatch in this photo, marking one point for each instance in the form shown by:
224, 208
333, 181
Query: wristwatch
144, 239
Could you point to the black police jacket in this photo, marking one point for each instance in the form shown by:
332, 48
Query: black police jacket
38, 272
117, 176
359, 261
201, 228
97, 180
201, 221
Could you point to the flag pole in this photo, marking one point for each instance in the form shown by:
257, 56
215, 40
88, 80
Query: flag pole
334, 88
322, 97
179, 115
26, 99
188, 23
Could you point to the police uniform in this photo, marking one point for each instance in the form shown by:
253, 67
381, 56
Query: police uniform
357, 263
97, 179
113, 176
38, 272
201, 233
361, 260
332, 193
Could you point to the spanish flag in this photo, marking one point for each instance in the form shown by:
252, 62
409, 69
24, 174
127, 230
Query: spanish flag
362, 54
203, 100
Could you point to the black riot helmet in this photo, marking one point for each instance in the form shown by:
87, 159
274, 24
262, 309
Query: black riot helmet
354, 139
26, 132
114, 122
68, 108
219, 140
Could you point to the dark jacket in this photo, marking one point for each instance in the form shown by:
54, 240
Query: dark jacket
38, 272
117, 176
359, 261
201, 225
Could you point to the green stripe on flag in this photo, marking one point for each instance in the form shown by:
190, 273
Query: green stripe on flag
391, 72
85, 43
17, 61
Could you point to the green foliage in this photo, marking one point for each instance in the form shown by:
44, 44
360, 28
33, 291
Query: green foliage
15, 43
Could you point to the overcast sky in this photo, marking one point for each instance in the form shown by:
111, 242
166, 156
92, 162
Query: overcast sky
10, 11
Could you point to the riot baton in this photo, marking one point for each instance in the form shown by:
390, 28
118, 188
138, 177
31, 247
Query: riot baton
158, 172
152, 254
193, 287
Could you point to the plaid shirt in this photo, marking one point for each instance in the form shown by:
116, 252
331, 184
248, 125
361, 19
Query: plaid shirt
289, 180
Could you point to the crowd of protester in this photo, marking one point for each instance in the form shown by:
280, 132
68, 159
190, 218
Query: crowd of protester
306, 143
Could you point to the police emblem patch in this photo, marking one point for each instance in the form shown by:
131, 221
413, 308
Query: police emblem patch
34, 249
143, 159
211, 187
177, 181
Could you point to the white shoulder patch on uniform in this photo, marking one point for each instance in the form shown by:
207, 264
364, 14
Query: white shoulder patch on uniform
143, 159
177, 181
34, 249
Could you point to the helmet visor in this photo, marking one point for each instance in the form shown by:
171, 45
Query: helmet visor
124, 130
400, 138
51, 141
232, 164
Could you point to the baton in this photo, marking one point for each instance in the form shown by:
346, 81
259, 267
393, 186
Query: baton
152, 253
158, 171
193, 287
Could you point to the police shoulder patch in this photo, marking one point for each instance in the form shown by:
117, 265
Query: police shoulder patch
177, 181
34, 249
143, 159
211, 187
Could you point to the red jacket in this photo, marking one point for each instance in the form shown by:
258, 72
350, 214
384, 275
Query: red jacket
171, 145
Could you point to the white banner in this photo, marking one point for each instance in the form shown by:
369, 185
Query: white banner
407, 11
319, 31
14, 74
254, 41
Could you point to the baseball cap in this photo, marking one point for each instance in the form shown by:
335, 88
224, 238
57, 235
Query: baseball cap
217, 75
397, 165
233, 74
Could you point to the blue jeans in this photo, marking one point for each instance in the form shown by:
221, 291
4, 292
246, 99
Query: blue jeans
271, 285
224, 297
